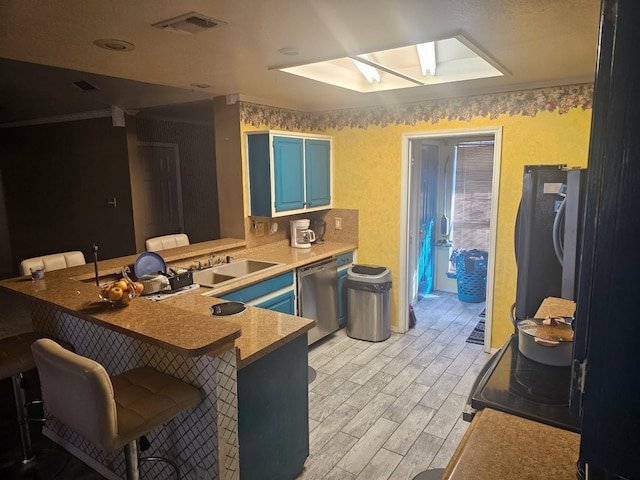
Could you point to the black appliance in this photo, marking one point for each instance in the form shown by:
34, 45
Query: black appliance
606, 378
546, 237
512, 383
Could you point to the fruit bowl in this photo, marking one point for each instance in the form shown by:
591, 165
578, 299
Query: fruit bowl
120, 292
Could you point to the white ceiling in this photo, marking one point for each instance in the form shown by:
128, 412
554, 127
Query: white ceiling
538, 42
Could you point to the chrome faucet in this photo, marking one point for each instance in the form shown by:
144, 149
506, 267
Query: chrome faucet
212, 258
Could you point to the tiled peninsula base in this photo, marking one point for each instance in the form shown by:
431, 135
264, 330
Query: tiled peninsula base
203, 441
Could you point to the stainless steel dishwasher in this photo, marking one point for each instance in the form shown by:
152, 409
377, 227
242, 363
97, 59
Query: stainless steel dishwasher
318, 297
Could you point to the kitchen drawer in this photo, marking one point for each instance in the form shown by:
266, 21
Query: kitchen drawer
345, 259
260, 289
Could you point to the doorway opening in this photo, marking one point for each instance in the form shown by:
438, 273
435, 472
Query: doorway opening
449, 201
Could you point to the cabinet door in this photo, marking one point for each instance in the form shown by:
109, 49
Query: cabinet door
288, 168
284, 303
318, 171
342, 299
259, 155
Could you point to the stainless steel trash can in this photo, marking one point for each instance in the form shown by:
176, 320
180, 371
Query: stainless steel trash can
368, 294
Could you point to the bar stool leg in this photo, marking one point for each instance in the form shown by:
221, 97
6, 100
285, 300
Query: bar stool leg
131, 460
23, 423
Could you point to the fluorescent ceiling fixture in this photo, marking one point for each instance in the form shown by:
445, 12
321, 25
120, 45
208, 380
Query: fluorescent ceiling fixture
427, 57
457, 60
369, 72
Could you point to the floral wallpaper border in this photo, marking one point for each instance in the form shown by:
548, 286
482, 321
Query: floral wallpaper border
527, 103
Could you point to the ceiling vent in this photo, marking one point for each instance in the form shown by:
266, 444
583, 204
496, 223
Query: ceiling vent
189, 23
84, 86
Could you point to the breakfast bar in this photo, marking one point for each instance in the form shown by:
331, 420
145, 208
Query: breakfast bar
178, 336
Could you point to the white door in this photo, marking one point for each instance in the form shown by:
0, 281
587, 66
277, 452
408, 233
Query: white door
159, 168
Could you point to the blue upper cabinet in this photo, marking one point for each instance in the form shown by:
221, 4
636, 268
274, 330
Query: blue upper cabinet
288, 173
318, 172
288, 168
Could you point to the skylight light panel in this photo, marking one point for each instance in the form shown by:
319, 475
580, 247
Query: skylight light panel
403, 67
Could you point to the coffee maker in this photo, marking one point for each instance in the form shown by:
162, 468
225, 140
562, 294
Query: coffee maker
301, 234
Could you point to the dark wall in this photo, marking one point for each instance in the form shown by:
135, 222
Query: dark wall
57, 179
196, 149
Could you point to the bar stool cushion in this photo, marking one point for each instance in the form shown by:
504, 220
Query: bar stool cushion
109, 412
15, 353
54, 261
166, 241
146, 398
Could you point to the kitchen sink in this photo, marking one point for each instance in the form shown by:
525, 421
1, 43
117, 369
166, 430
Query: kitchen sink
210, 278
243, 267
214, 276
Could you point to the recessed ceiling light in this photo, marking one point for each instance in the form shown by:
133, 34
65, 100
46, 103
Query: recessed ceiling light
201, 85
289, 51
115, 45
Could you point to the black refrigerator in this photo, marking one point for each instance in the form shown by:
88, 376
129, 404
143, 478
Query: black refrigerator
606, 368
546, 235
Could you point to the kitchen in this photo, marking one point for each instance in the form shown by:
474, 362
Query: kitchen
528, 138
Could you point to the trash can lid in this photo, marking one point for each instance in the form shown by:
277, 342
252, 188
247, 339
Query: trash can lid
369, 273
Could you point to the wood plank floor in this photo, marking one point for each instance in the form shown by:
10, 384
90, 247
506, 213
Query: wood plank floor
393, 409
386, 410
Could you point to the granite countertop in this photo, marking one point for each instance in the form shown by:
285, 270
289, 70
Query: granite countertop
262, 330
183, 324
499, 446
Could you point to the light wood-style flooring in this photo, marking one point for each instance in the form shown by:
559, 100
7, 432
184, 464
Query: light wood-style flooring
393, 409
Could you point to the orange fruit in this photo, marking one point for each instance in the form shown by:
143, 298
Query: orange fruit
115, 293
139, 287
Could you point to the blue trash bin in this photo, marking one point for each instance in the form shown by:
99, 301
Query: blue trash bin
471, 274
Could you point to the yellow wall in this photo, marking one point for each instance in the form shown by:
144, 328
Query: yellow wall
546, 126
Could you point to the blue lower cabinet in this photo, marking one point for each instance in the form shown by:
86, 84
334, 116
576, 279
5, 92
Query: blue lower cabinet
273, 414
342, 299
285, 303
260, 289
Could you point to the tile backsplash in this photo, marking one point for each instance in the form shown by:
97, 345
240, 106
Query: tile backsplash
348, 233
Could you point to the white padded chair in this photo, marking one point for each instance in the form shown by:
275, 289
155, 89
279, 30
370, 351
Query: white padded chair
55, 261
110, 412
166, 241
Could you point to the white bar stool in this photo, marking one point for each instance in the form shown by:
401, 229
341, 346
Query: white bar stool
111, 412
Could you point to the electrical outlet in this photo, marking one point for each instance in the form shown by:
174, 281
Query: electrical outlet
260, 229
338, 223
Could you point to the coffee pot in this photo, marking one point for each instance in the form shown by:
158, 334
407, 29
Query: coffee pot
301, 234
320, 228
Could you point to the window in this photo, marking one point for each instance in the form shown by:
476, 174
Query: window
471, 212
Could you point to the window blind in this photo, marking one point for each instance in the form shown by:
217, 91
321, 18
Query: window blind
472, 195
